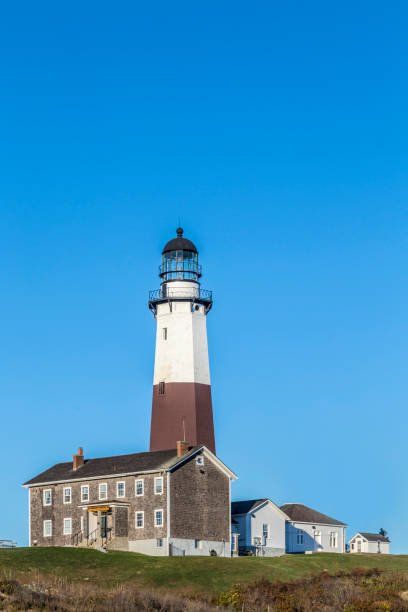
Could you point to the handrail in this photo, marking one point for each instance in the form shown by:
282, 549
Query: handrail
92, 537
77, 538
158, 295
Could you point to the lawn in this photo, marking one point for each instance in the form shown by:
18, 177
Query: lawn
182, 574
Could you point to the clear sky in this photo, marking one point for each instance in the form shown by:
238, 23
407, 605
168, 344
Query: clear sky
277, 133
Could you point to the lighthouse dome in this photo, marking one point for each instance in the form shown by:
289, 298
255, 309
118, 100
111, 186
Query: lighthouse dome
180, 243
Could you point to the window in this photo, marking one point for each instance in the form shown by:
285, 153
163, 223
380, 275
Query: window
159, 543
299, 537
200, 460
198, 544
352, 546
47, 497
120, 489
158, 485
233, 544
67, 495
139, 487
162, 387
265, 533
333, 539
85, 493
67, 526
158, 518
103, 491
139, 522
47, 529
164, 333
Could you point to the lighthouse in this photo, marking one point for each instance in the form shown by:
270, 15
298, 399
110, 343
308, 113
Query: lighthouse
182, 406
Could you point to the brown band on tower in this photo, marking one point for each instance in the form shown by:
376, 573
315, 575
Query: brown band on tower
182, 412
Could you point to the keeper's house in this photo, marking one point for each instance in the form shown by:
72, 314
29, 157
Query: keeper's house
166, 502
364, 542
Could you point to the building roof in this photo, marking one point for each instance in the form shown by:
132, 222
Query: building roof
243, 507
180, 243
108, 466
303, 514
372, 537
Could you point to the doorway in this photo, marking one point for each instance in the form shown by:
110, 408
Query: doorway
318, 540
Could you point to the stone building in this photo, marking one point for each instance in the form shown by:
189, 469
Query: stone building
170, 502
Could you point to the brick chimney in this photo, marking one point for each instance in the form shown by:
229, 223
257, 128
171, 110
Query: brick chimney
78, 459
182, 447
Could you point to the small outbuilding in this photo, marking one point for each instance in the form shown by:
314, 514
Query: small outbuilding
311, 531
370, 543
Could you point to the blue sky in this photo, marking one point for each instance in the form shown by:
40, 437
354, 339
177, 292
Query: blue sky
277, 133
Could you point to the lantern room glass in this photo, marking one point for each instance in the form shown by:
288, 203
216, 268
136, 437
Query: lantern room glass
180, 265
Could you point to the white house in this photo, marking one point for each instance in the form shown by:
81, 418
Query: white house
309, 530
370, 543
261, 527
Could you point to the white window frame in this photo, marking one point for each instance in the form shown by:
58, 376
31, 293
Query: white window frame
265, 532
299, 537
159, 542
48, 522
200, 460
83, 499
103, 484
141, 513
162, 517
136, 481
70, 495
64, 530
198, 544
50, 492
121, 482
156, 480
333, 539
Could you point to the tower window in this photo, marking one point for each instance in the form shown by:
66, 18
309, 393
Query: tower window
164, 333
162, 388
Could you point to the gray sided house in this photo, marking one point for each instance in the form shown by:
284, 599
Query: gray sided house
260, 527
311, 531
166, 502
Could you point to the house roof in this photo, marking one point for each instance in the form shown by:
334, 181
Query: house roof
119, 465
372, 537
109, 466
303, 514
243, 507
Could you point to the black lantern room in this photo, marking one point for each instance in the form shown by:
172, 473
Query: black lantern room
180, 260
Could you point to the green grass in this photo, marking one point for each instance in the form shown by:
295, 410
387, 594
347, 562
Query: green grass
182, 574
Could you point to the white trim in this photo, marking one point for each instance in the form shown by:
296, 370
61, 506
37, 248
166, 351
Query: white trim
70, 495
44, 534
168, 512
86, 479
162, 485
209, 455
99, 491
67, 518
136, 513
117, 489
316, 523
263, 503
136, 481
155, 517
82, 497
44, 492
29, 517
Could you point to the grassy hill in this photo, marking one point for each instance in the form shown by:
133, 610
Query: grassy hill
182, 574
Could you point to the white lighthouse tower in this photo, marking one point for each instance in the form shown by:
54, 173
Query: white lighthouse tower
182, 406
